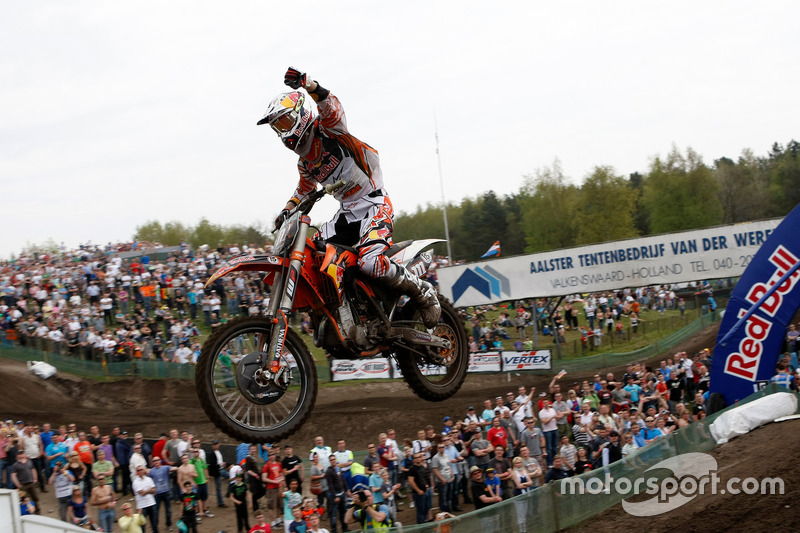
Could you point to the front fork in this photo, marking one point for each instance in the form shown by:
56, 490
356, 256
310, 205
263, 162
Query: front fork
281, 306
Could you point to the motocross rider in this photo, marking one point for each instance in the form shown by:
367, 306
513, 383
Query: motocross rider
329, 153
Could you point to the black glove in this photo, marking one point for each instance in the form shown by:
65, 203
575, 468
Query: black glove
281, 219
294, 78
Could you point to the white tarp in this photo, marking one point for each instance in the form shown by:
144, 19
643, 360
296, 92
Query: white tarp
42, 369
745, 418
719, 252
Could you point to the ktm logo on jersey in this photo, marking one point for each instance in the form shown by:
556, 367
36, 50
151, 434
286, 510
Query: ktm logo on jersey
352, 191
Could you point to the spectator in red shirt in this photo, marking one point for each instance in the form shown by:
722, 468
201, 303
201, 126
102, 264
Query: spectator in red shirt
158, 447
272, 475
497, 435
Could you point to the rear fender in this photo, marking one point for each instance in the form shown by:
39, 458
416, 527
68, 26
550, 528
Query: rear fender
413, 257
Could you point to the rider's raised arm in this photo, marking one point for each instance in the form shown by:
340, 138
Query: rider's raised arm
331, 112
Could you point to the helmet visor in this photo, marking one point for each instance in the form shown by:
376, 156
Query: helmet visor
284, 123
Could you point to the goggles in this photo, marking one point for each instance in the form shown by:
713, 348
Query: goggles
285, 122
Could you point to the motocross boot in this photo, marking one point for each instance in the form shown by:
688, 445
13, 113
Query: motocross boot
421, 293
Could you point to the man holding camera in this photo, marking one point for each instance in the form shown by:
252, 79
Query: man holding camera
366, 513
62, 480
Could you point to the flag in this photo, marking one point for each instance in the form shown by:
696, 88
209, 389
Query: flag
493, 251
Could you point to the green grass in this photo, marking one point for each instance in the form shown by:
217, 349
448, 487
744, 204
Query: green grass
652, 327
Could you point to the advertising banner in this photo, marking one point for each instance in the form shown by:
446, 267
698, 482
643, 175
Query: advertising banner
478, 362
535, 360
719, 252
484, 362
753, 329
343, 370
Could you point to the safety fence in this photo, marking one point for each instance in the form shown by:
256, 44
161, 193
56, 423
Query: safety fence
567, 503
606, 360
162, 369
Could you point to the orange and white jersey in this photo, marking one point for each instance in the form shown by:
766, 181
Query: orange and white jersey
334, 155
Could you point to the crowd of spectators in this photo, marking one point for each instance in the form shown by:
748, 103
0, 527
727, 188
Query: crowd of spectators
90, 303
505, 447
508, 446
93, 304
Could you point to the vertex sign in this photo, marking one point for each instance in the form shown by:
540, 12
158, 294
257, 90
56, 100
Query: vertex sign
538, 360
486, 280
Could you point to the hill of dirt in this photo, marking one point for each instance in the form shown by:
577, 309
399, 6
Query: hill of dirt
767, 452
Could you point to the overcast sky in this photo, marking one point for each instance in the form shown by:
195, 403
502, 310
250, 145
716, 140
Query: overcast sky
113, 114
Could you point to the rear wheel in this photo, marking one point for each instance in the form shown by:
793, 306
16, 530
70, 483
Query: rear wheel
436, 374
234, 395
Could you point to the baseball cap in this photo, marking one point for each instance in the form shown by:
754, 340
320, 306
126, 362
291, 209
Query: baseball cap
215, 441
446, 419
490, 470
474, 469
470, 408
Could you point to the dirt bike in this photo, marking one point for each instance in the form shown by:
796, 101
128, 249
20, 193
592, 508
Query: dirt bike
256, 378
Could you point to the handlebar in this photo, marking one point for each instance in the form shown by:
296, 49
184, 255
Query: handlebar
333, 187
305, 206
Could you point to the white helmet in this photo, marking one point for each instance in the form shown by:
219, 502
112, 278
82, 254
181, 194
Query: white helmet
291, 118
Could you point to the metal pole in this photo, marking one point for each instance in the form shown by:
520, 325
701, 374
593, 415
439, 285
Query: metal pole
441, 185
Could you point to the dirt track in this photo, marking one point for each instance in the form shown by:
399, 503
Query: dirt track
356, 413
359, 413
769, 451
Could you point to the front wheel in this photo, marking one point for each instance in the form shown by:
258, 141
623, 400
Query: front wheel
435, 374
233, 396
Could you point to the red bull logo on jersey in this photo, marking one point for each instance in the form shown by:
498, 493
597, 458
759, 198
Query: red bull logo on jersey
326, 169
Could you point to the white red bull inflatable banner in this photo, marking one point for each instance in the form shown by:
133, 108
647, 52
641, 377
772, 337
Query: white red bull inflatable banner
345, 369
719, 252
759, 311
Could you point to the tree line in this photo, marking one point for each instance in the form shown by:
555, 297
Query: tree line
679, 192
